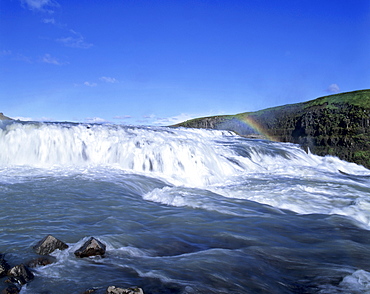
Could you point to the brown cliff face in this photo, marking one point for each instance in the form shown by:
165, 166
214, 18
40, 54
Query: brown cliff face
336, 125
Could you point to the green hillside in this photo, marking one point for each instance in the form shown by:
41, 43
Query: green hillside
336, 125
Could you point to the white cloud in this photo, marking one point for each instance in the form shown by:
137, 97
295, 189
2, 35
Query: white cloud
95, 120
22, 118
168, 121
108, 80
149, 116
49, 20
51, 60
16, 56
90, 84
23, 58
5, 52
122, 117
77, 41
174, 119
40, 5
333, 88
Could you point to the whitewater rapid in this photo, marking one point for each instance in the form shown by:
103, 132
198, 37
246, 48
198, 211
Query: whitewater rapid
219, 161
182, 210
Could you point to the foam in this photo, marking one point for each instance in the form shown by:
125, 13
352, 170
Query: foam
356, 283
281, 175
359, 281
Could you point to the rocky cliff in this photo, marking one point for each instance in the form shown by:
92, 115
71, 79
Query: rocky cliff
336, 125
3, 117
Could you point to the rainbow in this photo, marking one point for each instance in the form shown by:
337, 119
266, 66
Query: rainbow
255, 125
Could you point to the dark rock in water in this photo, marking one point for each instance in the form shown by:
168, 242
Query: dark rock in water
48, 245
20, 274
4, 266
91, 247
41, 261
89, 291
116, 290
11, 289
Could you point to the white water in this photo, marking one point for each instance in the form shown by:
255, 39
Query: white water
182, 157
203, 199
260, 171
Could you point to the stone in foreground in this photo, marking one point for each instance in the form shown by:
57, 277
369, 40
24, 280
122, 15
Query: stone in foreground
4, 266
116, 290
41, 261
11, 289
91, 247
89, 291
20, 274
48, 244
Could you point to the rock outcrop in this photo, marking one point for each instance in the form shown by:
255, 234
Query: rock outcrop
20, 274
4, 266
3, 117
41, 261
11, 289
91, 247
336, 125
49, 244
116, 290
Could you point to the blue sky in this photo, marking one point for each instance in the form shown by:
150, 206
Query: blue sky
161, 62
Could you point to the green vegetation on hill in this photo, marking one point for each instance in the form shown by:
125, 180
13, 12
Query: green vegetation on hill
338, 125
356, 98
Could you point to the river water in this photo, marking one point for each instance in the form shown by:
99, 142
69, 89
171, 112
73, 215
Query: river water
182, 211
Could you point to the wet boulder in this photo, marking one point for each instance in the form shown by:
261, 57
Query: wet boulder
4, 266
89, 291
11, 289
116, 290
91, 247
41, 261
20, 274
48, 244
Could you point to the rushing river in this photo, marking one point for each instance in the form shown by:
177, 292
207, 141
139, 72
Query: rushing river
182, 211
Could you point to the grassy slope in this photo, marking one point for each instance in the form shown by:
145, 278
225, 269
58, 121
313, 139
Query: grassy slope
358, 98
336, 124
